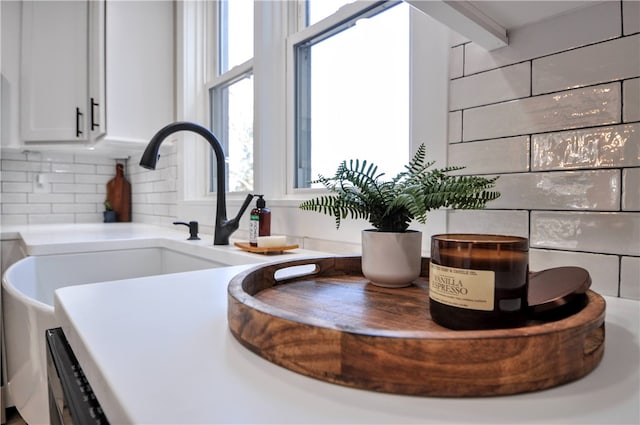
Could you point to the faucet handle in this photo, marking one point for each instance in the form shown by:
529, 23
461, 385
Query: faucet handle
193, 229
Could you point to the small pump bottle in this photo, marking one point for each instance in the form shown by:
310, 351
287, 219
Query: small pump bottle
259, 221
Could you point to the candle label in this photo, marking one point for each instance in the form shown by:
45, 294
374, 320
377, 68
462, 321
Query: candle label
463, 288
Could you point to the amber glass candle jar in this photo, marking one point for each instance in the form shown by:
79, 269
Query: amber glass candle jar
478, 281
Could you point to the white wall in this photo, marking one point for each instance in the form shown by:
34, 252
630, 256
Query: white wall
557, 115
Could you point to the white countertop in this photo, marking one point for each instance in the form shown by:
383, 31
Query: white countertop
49, 239
158, 350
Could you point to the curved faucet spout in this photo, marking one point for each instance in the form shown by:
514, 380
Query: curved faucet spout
223, 227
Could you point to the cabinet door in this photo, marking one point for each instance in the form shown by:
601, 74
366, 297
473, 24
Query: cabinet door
96, 120
54, 86
140, 70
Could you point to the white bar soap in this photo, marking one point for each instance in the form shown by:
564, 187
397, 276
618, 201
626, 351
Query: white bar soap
271, 241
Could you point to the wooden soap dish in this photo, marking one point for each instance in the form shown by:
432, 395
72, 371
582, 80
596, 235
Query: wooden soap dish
246, 246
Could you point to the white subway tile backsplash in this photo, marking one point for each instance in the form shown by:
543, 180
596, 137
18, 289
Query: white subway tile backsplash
164, 186
603, 269
50, 198
96, 198
491, 156
12, 165
488, 221
59, 177
13, 198
585, 26
13, 176
608, 233
94, 159
65, 167
16, 187
74, 208
630, 278
631, 100
51, 156
14, 219
89, 217
13, 155
51, 218
609, 61
340, 248
98, 179
26, 208
631, 189
456, 62
612, 146
585, 107
560, 190
510, 82
631, 16
455, 127
73, 188
107, 170
160, 209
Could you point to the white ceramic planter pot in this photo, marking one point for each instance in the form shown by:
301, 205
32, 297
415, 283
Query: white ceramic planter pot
391, 260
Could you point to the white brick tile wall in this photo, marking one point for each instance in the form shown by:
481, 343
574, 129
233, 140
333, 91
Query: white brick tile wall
630, 278
14, 176
560, 190
596, 232
585, 26
579, 202
631, 100
603, 269
584, 107
611, 146
455, 127
609, 61
631, 16
51, 218
14, 198
17, 165
53, 187
507, 155
631, 189
489, 221
154, 192
50, 198
498, 85
456, 61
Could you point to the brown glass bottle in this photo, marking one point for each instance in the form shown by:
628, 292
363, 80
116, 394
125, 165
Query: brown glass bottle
259, 221
479, 281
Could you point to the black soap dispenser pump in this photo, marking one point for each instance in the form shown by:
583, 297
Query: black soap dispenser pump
259, 221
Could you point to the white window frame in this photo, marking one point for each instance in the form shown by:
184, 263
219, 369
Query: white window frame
273, 73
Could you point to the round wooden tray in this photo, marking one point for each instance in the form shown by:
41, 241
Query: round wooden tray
333, 325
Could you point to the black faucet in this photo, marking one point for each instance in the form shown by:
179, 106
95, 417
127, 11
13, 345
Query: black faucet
193, 229
224, 227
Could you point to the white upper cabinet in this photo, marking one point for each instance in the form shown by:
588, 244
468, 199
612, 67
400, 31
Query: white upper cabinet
140, 71
62, 87
97, 74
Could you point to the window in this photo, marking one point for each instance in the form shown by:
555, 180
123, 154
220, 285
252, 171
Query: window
231, 93
317, 10
352, 90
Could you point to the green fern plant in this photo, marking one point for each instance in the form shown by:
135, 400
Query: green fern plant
359, 192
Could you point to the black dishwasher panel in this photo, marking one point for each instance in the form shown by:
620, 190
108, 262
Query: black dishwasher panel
71, 399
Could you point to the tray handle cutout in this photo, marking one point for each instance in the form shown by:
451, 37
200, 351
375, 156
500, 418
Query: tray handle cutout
293, 272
